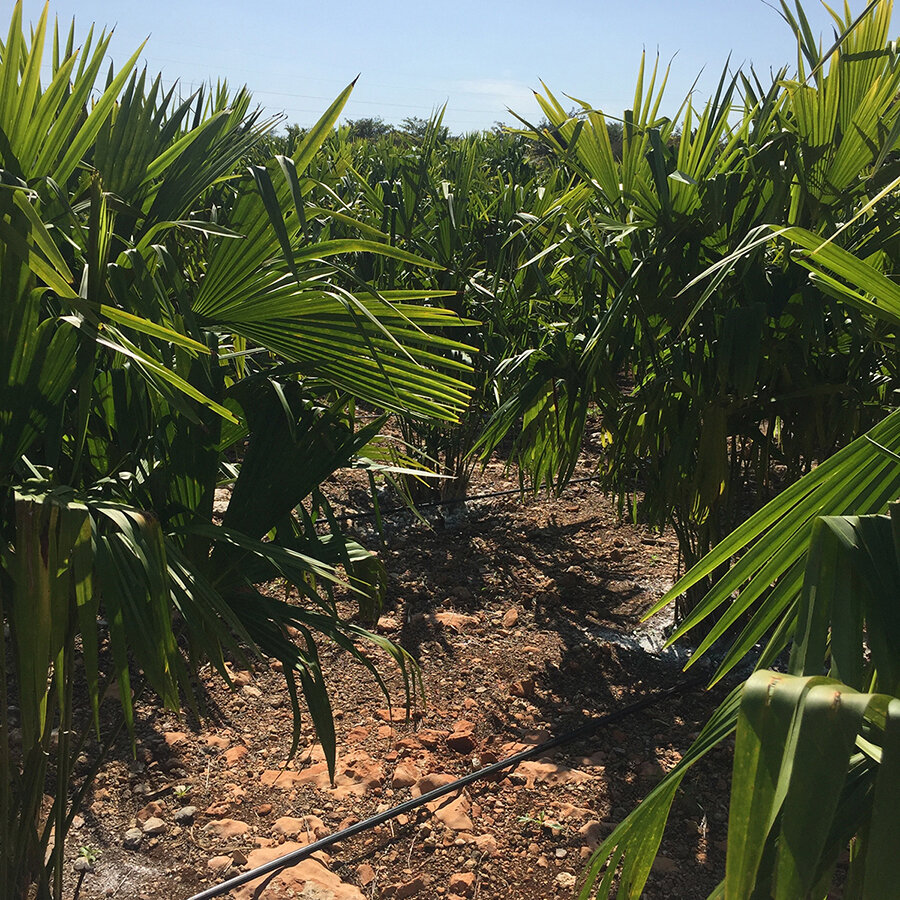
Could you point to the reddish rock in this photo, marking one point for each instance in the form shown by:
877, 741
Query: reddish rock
310, 878
365, 874
264, 809
461, 739
456, 621
220, 864
431, 739
358, 734
217, 809
359, 773
234, 755
226, 828
220, 742
487, 844
454, 814
545, 772
510, 617
462, 883
453, 620
174, 737
154, 808
391, 715
409, 888
405, 775
430, 783
524, 688
237, 792
593, 832
307, 827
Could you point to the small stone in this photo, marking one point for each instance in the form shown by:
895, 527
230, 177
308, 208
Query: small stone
155, 826
185, 814
387, 623
487, 844
405, 775
561, 852
430, 739
455, 814
133, 838
510, 617
220, 863
226, 828
150, 810
430, 782
234, 755
566, 880
462, 883
409, 888
524, 688
461, 739
83, 864
174, 737
264, 809
365, 874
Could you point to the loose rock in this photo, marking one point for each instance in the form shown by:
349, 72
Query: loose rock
155, 826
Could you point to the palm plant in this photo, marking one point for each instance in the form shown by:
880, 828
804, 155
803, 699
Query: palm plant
703, 388
170, 323
815, 758
445, 200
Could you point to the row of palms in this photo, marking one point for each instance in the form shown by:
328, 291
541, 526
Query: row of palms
170, 321
714, 290
189, 300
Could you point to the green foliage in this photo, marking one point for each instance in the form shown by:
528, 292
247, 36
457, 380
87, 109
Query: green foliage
368, 129
709, 387
815, 757
174, 318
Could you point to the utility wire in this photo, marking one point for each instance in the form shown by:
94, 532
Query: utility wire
297, 856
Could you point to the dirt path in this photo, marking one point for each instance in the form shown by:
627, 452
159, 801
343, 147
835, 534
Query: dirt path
507, 615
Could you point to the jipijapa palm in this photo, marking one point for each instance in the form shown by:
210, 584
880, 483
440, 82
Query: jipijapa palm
814, 573
760, 370
148, 285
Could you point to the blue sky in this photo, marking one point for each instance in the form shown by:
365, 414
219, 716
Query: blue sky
479, 57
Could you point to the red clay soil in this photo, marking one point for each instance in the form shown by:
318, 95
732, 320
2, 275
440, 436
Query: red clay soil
508, 617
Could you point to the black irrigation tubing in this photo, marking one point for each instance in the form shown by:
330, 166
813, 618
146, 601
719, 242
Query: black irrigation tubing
398, 509
297, 856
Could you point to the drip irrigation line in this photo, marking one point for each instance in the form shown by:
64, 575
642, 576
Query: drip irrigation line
297, 856
398, 509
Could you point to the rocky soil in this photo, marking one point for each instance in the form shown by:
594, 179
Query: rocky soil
512, 615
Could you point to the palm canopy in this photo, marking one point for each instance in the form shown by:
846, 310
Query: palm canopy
172, 319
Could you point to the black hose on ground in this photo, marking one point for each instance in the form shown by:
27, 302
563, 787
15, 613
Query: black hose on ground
297, 856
